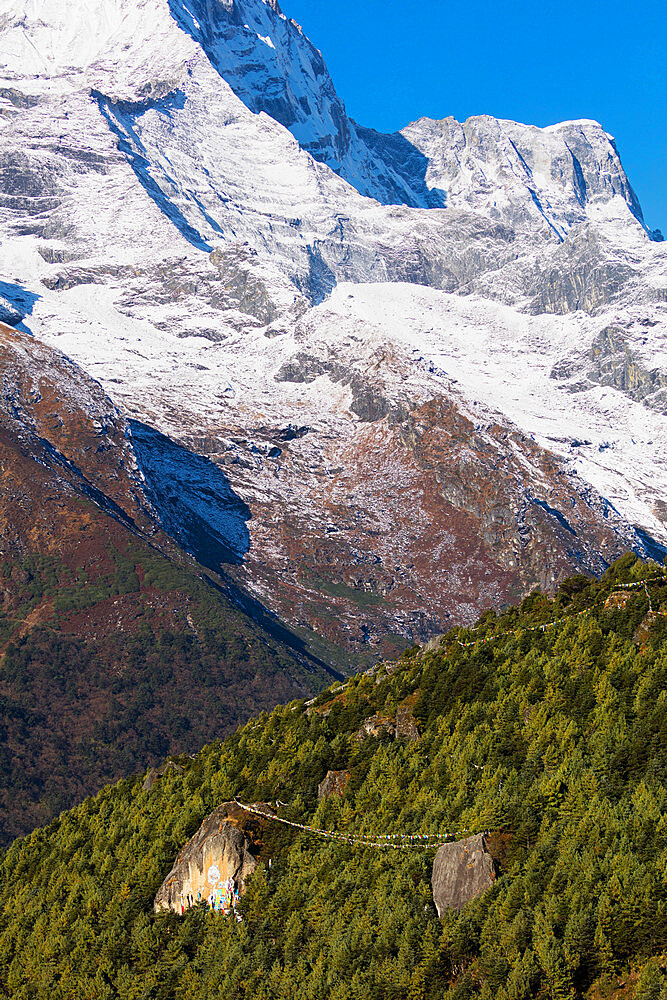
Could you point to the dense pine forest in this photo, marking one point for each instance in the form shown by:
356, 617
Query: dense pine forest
554, 740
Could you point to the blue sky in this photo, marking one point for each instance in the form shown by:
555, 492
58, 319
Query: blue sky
538, 63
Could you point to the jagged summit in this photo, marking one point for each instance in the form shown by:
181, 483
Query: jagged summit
143, 51
566, 172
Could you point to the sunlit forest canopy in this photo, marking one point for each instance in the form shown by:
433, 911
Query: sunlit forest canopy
554, 740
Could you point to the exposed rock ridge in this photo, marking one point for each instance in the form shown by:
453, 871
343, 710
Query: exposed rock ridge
333, 783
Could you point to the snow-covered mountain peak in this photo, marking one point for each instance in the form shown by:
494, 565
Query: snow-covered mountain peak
180, 185
143, 50
513, 172
129, 49
273, 67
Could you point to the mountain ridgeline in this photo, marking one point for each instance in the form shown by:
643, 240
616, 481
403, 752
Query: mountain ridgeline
553, 740
427, 364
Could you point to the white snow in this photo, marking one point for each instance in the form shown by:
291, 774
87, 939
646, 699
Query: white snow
128, 201
502, 361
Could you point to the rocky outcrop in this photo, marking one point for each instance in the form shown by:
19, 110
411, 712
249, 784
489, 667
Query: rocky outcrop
648, 625
618, 601
401, 727
461, 872
155, 773
435, 645
333, 784
239, 285
612, 361
406, 726
375, 726
214, 865
615, 364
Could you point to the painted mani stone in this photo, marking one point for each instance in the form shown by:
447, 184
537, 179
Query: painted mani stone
213, 866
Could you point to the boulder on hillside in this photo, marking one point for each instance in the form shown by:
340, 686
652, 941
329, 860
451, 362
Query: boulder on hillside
461, 871
155, 773
402, 727
647, 626
618, 601
375, 726
406, 726
213, 866
435, 645
333, 784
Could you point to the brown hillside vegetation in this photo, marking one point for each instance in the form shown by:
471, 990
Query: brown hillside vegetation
115, 648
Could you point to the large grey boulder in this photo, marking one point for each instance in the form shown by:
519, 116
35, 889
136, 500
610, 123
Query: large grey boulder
219, 857
461, 871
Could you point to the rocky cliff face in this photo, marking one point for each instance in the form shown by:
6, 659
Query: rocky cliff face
525, 176
393, 351
273, 68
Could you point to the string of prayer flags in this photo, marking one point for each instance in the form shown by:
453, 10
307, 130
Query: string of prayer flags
566, 618
398, 841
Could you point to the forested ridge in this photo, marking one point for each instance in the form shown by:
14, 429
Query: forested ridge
554, 740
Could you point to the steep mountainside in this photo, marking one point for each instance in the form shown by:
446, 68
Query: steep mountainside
114, 647
551, 740
356, 328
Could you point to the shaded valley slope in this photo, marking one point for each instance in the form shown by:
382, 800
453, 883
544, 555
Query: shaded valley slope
115, 646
